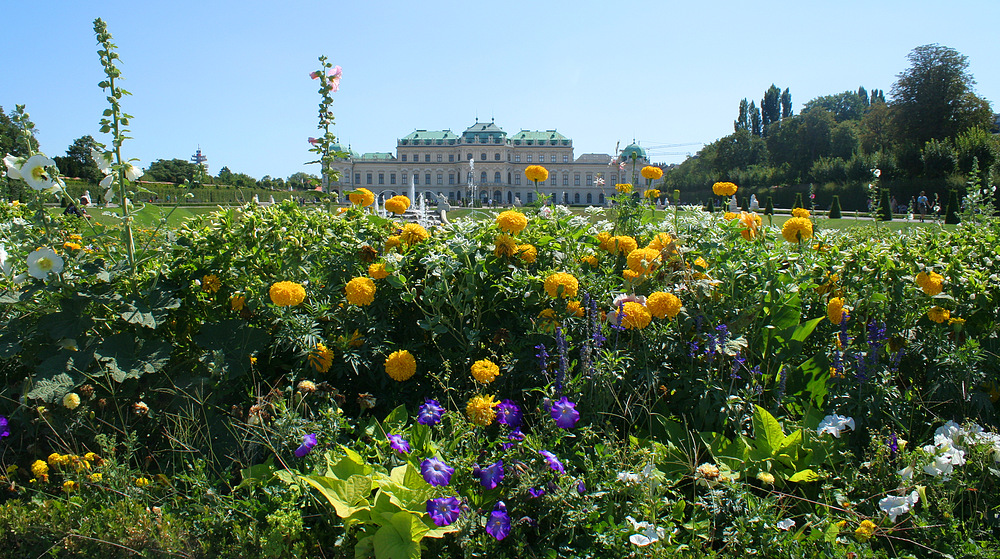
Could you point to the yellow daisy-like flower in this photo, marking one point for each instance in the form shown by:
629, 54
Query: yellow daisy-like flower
397, 204
536, 173
800, 212
829, 285
660, 241
865, 530
211, 283
729, 216
401, 365
378, 271
307, 386
561, 285
39, 469
71, 246
663, 305
590, 260
939, 314
643, 260
485, 371
95, 477
362, 197
320, 358
69, 486
480, 410
624, 188
547, 321
651, 173
512, 222
413, 233
527, 253
835, 310
605, 241
651, 194
635, 316
956, 320
237, 302
360, 291
71, 401
393, 242
623, 244
724, 188
931, 283
505, 245
574, 308
75, 237
287, 293
57, 460
751, 225
796, 229
92, 457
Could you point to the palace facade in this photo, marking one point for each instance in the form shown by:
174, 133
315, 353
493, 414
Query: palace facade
485, 162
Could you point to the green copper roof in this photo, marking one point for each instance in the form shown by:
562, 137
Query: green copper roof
351, 153
378, 155
429, 137
638, 150
540, 138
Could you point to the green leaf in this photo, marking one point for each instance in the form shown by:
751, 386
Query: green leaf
397, 418
767, 431
347, 496
350, 465
52, 389
806, 475
127, 356
236, 340
400, 539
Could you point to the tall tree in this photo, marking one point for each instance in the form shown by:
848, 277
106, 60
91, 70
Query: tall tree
78, 162
844, 106
770, 107
934, 97
863, 94
754, 119
173, 170
742, 122
786, 104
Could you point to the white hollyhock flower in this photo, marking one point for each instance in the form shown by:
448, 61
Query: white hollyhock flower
106, 181
132, 172
35, 172
834, 424
4, 263
13, 166
42, 262
894, 505
102, 158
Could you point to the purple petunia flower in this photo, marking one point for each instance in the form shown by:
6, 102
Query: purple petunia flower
509, 414
436, 472
565, 414
430, 413
498, 525
4, 427
554, 462
491, 475
444, 510
581, 487
308, 442
399, 444
535, 493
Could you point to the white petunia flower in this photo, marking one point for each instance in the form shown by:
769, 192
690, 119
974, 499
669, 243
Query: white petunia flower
834, 424
906, 473
44, 261
894, 505
786, 524
35, 172
647, 533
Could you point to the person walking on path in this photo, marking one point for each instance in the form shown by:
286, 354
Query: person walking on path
922, 205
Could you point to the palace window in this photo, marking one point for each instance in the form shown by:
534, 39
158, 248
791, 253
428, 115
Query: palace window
427, 178
416, 178
451, 178
392, 178
496, 177
517, 158
576, 198
496, 156
553, 178
427, 158
565, 179
357, 178
517, 180
381, 178
576, 179
440, 158
402, 157
451, 158
369, 179
565, 159
482, 156
440, 179
590, 179
529, 158
553, 158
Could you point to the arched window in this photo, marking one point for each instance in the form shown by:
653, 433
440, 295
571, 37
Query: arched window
482, 177
496, 177
590, 198
531, 197
576, 198
600, 199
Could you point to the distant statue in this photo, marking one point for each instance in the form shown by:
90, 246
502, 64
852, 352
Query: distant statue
732, 204
271, 202
256, 200
442, 202
517, 202
754, 204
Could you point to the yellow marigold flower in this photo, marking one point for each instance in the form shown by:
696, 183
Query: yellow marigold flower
393, 242
623, 244
527, 253
605, 241
643, 260
751, 225
634, 316
796, 229
71, 401
512, 222
505, 245
660, 241
624, 188
287, 293
562, 285
39, 468
708, 471
400, 365
413, 233
547, 321
939, 314
724, 188
662, 304
651, 194
700, 262
360, 291
729, 216
650, 172
829, 285
95, 477
956, 320
211, 283
766, 477
342, 210
574, 308
377, 271
75, 237
71, 246
632, 276
485, 371
835, 310
800, 212
931, 283
865, 530
320, 358
480, 410
590, 260
69, 486
536, 173
142, 482
55, 459
397, 204
362, 197
237, 302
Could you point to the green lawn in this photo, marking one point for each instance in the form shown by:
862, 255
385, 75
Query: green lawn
148, 215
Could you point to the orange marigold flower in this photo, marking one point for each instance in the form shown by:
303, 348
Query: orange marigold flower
624, 188
643, 260
536, 173
724, 188
527, 253
800, 212
796, 229
561, 285
397, 204
378, 271
634, 316
931, 282
651, 173
623, 244
237, 302
485, 371
401, 365
512, 222
320, 358
211, 283
505, 245
662, 304
835, 310
360, 291
939, 314
362, 197
287, 293
573, 308
414, 233
480, 410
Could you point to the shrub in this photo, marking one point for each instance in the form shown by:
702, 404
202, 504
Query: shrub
835, 208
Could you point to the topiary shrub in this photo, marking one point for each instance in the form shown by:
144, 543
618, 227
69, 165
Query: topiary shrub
769, 208
710, 208
835, 207
951, 214
884, 209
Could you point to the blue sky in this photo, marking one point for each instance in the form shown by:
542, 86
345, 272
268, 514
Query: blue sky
232, 76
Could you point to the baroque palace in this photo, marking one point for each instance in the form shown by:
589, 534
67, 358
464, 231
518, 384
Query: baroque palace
484, 162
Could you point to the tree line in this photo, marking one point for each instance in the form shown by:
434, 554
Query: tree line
930, 133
